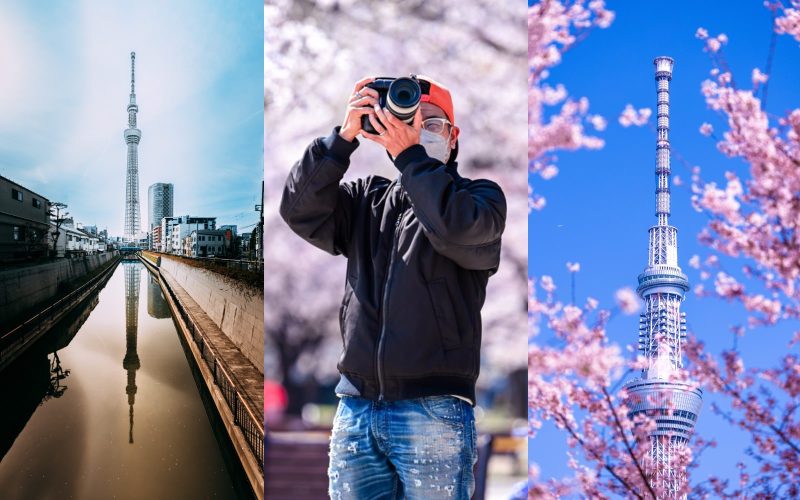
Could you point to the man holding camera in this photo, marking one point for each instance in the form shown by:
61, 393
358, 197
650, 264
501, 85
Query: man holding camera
420, 250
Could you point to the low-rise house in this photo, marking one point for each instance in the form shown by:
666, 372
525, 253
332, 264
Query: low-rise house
24, 222
207, 243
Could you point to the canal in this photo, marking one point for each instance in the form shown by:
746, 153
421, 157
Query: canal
106, 405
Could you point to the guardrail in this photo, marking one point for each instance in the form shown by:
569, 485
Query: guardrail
243, 264
244, 417
52, 312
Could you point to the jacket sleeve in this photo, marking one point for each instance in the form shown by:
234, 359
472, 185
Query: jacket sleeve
314, 203
463, 220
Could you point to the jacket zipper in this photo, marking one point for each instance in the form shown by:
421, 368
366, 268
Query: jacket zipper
386, 289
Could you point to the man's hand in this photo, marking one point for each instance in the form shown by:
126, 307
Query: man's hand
361, 103
395, 136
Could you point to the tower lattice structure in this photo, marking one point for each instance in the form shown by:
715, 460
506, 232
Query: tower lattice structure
660, 392
132, 137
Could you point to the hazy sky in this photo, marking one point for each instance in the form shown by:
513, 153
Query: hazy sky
64, 86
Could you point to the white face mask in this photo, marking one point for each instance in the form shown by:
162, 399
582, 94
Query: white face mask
435, 145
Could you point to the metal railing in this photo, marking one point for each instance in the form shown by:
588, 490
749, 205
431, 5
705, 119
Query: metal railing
243, 415
243, 264
55, 310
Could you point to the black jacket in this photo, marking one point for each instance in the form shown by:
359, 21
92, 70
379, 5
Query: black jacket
420, 250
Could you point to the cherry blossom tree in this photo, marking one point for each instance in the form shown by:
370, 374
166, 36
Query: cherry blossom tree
314, 51
554, 27
754, 221
575, 383
752, 226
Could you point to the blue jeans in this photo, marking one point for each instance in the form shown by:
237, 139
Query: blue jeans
421, 448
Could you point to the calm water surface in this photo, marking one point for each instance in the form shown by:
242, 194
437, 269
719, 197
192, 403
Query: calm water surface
105, 406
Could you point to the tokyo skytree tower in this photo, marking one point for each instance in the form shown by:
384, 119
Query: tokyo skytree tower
657, 394
132, 137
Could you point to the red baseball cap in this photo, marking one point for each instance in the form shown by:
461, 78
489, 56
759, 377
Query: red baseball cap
437, 94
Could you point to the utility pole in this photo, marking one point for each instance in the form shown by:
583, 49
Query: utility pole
57, 217
260, 209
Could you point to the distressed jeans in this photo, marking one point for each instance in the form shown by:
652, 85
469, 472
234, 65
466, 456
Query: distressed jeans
421, 448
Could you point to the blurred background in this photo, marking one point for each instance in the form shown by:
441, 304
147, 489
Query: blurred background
314, 52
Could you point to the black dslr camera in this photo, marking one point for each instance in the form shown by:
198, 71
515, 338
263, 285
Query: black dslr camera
400, 96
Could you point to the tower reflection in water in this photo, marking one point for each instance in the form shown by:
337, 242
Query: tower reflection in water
157, 306
131, 361
74, 439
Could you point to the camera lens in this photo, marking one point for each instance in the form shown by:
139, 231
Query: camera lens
403, 97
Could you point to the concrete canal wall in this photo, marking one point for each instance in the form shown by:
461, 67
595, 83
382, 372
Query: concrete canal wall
23, 289
235, 381
237, 309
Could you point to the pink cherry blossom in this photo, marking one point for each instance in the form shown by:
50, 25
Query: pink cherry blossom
548, 172
568, 385
636, 117
789, 22
547, 284
721, 202
727, 286
628, 301
553, 28
759, 77
757, 219
536, 202
598, 122
714, 44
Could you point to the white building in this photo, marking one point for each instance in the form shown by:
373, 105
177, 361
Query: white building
181, 227
74, 242
186, 246
165, 245
207, 243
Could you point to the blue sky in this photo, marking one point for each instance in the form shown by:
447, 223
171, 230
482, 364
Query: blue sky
64, 91
601, 204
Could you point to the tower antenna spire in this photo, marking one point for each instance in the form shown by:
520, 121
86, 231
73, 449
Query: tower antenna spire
663, 66
133, 75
